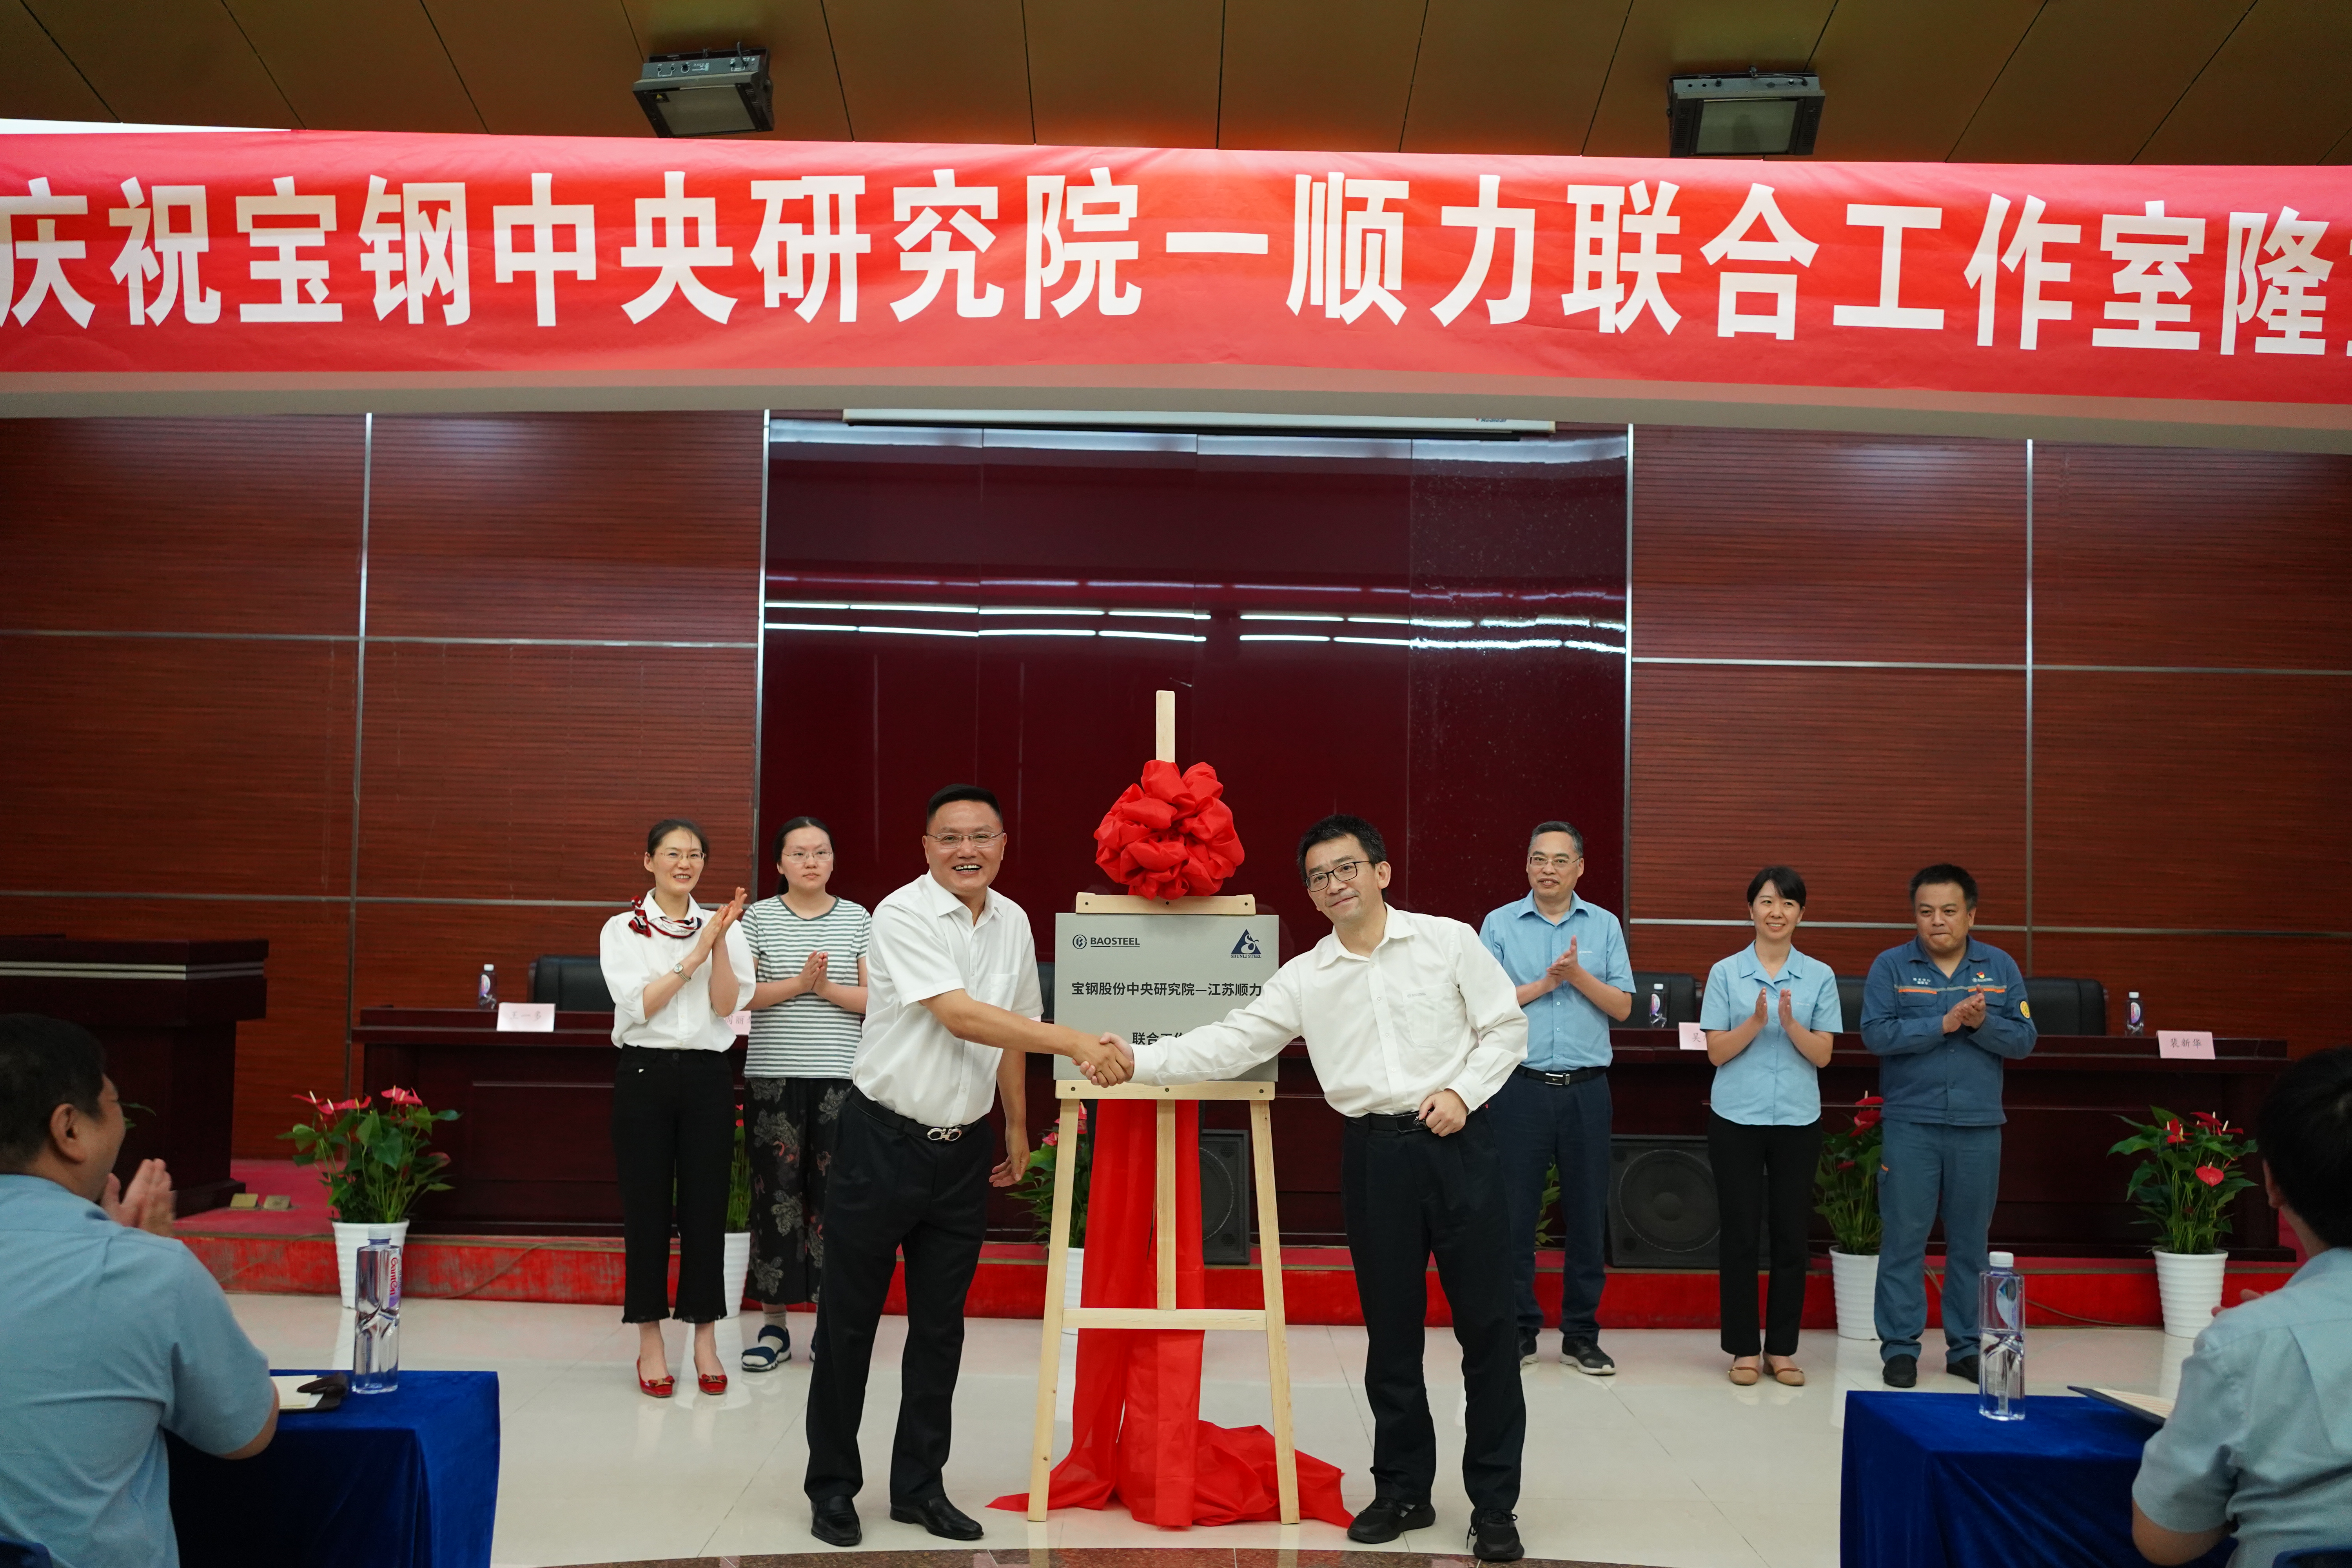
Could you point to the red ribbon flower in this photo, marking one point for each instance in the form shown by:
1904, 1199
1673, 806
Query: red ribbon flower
402, 1097
2210, 1175
1172, 836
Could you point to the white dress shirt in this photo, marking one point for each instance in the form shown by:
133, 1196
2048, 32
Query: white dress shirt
1427, 1009
686, 1022
925, 943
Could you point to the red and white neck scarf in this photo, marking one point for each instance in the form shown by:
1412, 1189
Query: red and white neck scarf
646, 918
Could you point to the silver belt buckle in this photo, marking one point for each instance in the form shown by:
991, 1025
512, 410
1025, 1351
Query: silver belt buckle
942, 1134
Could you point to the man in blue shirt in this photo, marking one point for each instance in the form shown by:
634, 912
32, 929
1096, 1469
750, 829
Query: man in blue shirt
111, 1334
2261, 1437
1943, 1012
1567, 959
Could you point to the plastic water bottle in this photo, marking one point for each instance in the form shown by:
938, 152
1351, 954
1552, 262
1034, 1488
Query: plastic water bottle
1657, 1005
2134, 1024
486, 993
375, 1339
2000, 1341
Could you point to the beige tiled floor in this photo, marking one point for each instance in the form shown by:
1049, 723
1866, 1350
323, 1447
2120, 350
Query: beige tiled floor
1665, 1463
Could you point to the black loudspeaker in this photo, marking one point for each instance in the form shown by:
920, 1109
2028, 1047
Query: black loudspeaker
1224, 1195
1662, 1212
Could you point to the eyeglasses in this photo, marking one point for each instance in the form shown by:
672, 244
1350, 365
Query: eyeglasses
958, 840
674, 856
804, 857
1345, 872
1555, 862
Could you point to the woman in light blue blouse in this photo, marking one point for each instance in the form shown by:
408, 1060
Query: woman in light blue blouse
1770, 1017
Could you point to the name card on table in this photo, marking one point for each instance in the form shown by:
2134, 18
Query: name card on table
1693, 1038
739, 1022
2196, 1044
527, 1017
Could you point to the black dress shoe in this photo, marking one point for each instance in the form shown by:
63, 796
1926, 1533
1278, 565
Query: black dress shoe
1965, 1369
1386, 1518
1495, 1538
1900, 1371
1526, 1349
939, 1515
834, 1521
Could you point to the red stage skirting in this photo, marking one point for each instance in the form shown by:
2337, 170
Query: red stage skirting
1319, 1286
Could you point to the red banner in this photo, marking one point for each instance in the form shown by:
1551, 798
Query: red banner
301, 253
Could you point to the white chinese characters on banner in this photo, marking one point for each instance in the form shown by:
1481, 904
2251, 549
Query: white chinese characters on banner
1335, 248
44, 250
809, 253
1600, 261
664, 225
301, 223
2027, 246
2278, 291
415, 243
542, 216
1100, 207
1736, 241
1890, 312
2151, 247
1487, 217
928, 243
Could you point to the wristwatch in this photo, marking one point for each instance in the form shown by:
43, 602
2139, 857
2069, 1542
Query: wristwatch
678, 968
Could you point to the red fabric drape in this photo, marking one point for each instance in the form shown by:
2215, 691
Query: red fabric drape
1137, 1431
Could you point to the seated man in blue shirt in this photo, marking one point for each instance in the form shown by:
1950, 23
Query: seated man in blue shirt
111, 1334
2261, 1436
1567, 959
1943, 1012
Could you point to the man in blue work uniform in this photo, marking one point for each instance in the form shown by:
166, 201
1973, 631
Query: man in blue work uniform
1943, 1012
1567, 959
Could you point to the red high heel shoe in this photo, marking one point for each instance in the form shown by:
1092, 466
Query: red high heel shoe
710, 1381
660, 1387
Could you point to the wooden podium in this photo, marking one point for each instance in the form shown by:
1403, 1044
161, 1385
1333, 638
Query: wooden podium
167, 1012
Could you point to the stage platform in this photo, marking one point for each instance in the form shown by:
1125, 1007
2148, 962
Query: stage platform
291, 1252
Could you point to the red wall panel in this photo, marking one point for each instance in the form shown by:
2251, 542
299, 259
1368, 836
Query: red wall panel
184, 525
636, 526
2272, 987
1781, 545
431, 954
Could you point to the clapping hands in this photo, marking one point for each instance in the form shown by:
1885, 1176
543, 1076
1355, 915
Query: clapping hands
148, 1203
1966, 1014
1564, 969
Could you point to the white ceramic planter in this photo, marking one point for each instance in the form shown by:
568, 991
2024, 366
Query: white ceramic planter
2189, 1285
734, 1268
349, 1240
1853, 1276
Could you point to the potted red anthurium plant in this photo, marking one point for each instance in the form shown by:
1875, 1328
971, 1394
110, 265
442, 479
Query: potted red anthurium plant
2184, 1185
1845, 1183
376, 1159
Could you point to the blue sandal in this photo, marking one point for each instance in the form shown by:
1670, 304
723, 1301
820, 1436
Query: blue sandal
773, 1348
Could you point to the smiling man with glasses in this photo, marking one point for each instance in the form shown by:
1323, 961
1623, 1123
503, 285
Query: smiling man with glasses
1567, 958
1410, 1025
952, 1007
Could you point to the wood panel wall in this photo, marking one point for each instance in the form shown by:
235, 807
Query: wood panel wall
2112, 682
560, 616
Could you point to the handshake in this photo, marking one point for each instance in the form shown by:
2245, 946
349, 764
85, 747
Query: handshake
1105, 1061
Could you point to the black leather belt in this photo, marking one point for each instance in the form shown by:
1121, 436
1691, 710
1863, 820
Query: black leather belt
890, 1118
1388, 1123
1561, 1079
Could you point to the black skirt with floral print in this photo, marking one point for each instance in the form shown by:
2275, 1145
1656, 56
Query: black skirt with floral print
791, 1124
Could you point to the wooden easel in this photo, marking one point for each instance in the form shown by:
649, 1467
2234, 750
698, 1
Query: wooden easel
1166, 1314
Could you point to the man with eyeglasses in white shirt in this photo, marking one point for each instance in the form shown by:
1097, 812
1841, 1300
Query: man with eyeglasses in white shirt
1412, 1025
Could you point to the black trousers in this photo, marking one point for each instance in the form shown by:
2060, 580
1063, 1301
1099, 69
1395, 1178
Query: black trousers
893, 1188
1762, 1174
1540, 1125
1409, 1193
673, 1132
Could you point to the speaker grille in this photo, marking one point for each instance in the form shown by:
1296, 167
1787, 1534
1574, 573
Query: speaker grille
1662, 1204
1224, 1195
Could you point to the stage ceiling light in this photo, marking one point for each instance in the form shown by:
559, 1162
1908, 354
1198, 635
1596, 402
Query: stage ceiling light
711, 93
1743, 116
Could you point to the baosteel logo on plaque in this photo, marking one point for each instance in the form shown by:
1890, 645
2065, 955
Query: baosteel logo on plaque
1142, 976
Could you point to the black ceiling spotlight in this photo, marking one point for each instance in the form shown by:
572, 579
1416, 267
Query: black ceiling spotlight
711, 93
1743, 116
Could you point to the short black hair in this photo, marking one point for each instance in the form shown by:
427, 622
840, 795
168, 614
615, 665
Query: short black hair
669, 824
1557, 825
1342, 826
44, 1063
1944, 871
955, 793
1790, 885
2306, 1132
776, 845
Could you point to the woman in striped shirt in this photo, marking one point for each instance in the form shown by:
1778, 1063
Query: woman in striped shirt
809, 949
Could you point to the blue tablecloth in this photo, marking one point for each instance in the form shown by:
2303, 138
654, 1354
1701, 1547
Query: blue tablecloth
1929, 1483
404, 1480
